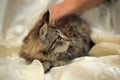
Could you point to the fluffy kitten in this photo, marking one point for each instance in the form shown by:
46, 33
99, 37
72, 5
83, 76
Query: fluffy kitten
56, 44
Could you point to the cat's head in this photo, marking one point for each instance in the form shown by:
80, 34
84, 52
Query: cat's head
67, 33
43, 39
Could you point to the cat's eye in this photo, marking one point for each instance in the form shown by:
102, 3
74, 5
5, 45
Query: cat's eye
62, 36
59, 37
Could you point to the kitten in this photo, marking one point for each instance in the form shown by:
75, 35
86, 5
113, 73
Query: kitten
56, 44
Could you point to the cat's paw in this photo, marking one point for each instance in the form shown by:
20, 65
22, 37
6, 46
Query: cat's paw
47, 66
60, 63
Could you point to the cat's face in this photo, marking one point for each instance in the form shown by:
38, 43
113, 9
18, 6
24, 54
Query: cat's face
53, 39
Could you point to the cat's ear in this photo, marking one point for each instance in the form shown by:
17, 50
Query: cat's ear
46, 17
43, 31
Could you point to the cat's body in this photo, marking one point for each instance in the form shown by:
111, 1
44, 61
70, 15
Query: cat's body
56, 45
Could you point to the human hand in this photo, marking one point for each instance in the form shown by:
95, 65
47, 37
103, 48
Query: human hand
62, 9
71, 7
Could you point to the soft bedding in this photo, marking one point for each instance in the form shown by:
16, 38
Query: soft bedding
85, 68
17, 17
15, 68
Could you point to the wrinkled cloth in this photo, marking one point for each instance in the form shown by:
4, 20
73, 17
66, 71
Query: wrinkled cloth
105, 44
16, 68
84, 68
88, 68
18, 16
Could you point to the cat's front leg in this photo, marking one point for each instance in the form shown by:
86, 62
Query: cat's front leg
47, 66
59, 63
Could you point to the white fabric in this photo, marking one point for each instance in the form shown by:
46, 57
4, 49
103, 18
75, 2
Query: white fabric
16, 19
108, 44
84, 68
88, 68
15, 68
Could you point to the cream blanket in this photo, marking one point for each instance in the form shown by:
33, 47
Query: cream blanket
16, 19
